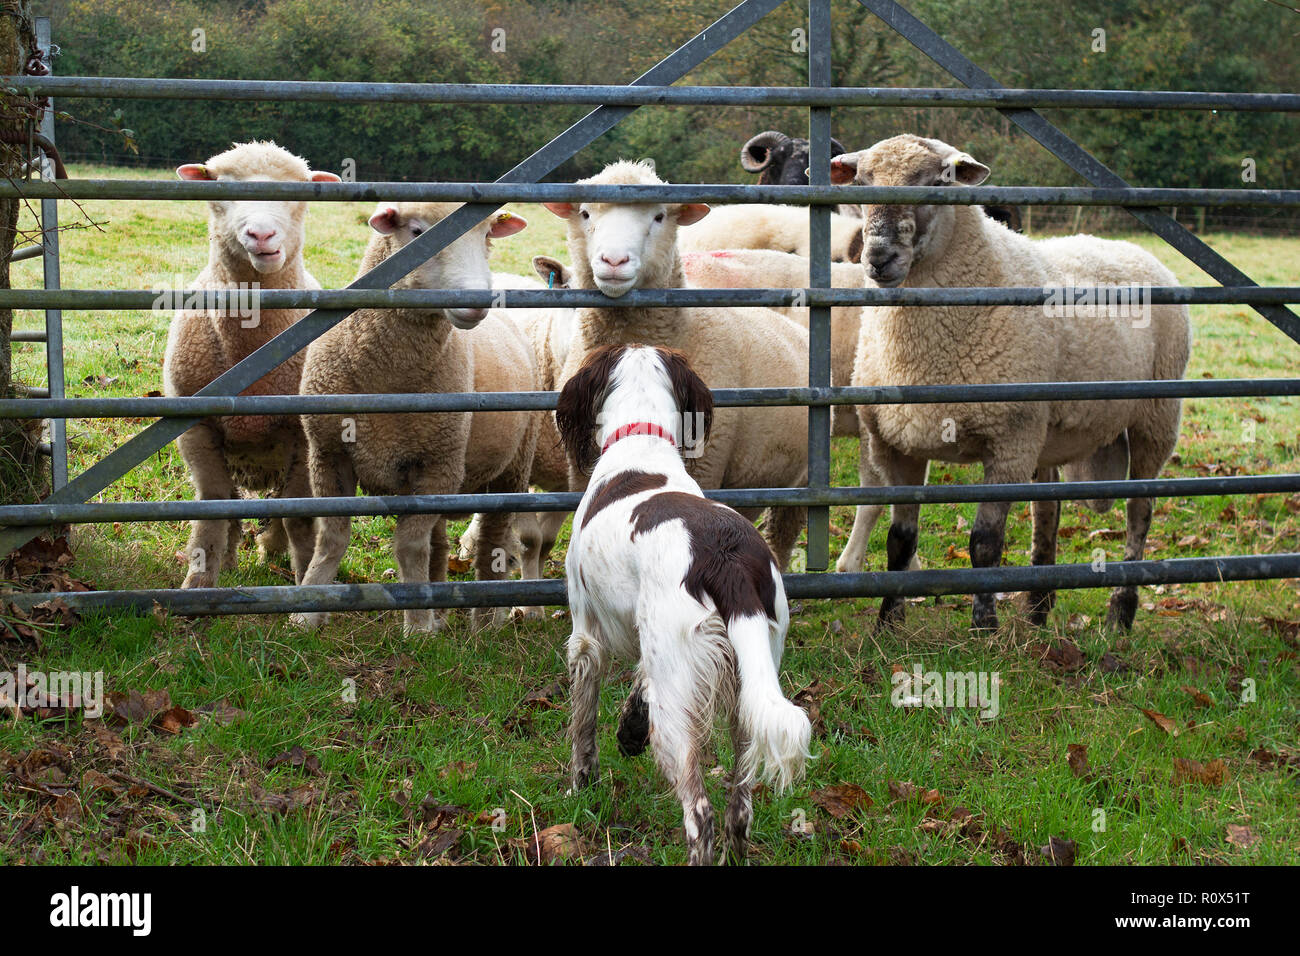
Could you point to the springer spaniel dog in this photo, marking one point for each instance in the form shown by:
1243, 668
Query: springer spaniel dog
660, 574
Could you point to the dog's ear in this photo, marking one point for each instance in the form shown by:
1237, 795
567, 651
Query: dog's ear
694, 400
579, 405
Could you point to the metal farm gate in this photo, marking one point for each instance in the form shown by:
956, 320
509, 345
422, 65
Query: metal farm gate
68, 503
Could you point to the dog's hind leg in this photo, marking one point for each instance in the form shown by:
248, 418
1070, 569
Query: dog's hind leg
586, 668
634, 721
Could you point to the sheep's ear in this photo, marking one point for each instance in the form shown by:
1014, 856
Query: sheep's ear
195, 171
554, 273
562, 209
506, 224
690, 213
323, 177
966, 170
384, 220
844, 169
694, 400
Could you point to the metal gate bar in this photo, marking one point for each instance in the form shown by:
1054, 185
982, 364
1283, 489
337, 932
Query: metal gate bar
390, 505
618, 102
190, 406
394, 597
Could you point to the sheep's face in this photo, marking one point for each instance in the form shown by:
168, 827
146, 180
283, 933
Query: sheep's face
899, 237
266, 234
463, 264
627, 245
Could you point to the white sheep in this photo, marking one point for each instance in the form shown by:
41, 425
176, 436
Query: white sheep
757, 226
549, 332
769, 269
421, 350
938, 246
618, 247
250, 244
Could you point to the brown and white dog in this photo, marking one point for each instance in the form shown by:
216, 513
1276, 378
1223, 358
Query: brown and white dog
659, 573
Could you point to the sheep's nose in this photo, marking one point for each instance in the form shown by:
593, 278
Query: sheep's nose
615, 260
260, 235
468, 315
880, 258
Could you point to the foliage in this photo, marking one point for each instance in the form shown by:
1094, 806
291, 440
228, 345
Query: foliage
1196, 45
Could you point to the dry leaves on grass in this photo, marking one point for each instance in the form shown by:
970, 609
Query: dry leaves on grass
907, 791
554, 844
1059, 657
810, 699
1281, 760
841, 799
1077, 757
1241, 836
1161, 721
1201, 698
1210, 774
1059, 850
151, 708
295, 756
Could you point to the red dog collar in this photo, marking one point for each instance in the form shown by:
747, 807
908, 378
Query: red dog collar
638, 428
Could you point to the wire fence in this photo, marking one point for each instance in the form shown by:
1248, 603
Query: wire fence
1052, 208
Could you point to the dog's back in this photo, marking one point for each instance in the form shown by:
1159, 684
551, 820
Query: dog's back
659, 573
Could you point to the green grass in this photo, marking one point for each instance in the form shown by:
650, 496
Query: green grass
447, 720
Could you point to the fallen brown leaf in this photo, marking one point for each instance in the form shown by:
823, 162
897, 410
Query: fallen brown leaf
1077, 758
841, 799
1243, 837
560, 842
1161, 721
1059, 850
1211, 774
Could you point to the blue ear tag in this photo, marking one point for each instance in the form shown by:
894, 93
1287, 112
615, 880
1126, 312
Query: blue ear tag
550, 279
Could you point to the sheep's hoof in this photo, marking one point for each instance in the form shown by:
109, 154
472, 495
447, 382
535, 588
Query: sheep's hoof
1122, 610
199, 579
518, 614
484, 618
893, 611
421, 622
984, 619
310, 620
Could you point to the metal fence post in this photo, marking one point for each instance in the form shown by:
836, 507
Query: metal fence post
50, 260
819, 277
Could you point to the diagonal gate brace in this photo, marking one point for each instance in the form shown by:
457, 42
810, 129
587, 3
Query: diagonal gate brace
298, 336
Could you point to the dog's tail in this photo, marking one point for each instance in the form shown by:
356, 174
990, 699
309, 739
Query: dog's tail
777, 731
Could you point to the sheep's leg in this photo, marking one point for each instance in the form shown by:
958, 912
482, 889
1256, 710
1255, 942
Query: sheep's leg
469, 539
439, 551
634, 720
782, 531
900, 544
210, 541
412, 540
492, 563
299, 532
1148, 453
988, 534
853, 557
740, 800
527, 527
586, 668
1047, 518
332, 475
272, 540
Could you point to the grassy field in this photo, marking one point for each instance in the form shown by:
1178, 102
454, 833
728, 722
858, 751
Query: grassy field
358, 745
